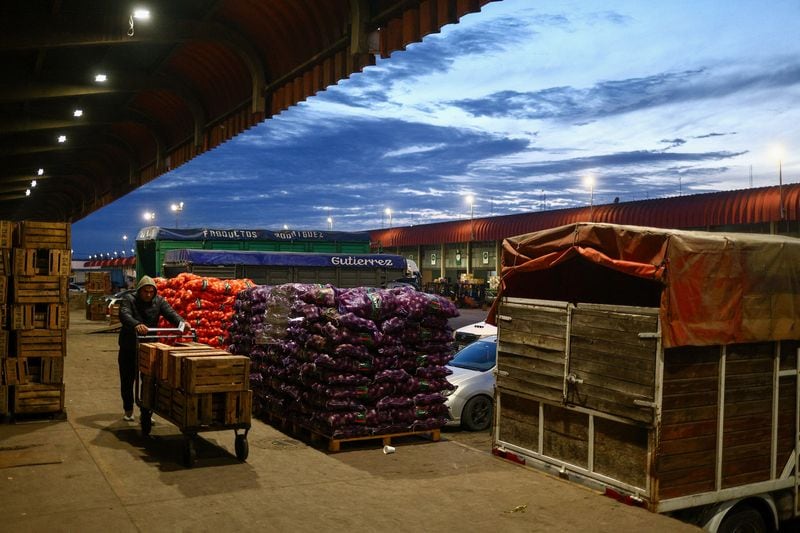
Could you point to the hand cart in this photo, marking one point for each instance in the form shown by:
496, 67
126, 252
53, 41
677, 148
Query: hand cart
148, 405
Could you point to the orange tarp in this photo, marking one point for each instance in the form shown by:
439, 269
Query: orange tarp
715, 288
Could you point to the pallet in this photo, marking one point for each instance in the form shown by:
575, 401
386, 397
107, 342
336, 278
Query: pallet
30, 234
38, 398
41, 343
39, 289
39, 316
333, 444
41, 262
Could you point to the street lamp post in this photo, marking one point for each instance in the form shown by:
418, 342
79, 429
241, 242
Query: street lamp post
330, 223
389, 214
177, 209
149, 216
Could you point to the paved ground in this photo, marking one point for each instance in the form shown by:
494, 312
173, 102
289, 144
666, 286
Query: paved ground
100, 474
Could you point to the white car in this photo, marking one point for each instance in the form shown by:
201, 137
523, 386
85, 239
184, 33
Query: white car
473, 332
471, 404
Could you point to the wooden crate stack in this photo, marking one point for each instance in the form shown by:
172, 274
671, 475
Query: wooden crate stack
195, 385
33, 342
98, 284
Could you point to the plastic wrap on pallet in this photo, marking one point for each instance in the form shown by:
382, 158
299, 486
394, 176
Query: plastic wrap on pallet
346, 363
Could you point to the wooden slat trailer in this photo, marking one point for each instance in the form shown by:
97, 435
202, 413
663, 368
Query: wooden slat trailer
658, 365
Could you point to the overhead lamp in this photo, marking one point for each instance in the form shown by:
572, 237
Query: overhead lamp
77, 113
62, 138
286, 226
101, 78
33, 183
141, 14
27, 192
40, 172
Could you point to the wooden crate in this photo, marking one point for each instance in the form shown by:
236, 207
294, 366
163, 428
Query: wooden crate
98, 283
5, 260
12, 371
6, 234
30, 234
175, 366
41, 262
211, 409
49, 370
147, 392
163, 358
39, 316
3, 288
113, 314
39, 289
96, 308
41, 343
150, 358
223, 373
3, 400
163, 400
38, 398
3, 343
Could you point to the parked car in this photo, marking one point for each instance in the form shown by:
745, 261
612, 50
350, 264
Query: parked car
74, 287
471, 404
473, 332
116, 297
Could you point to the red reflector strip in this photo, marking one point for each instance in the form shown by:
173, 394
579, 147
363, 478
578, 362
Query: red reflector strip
627, 499
504, 454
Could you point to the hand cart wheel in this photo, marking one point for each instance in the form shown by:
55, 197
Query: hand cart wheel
146, 420
189, 452
242, 448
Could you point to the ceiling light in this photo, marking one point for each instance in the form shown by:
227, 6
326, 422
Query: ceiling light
77, 113
101, 78
33, 183
62, 138
27, 192
40, 172
141, 14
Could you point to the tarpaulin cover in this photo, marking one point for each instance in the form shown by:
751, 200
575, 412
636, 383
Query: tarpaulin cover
290, 259
715, 288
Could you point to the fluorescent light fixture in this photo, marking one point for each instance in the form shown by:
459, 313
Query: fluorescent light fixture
77, 113
27, 192
62, 138
33, 183
101, 78
141, 14
40, 172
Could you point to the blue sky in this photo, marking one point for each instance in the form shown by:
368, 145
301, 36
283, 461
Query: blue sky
515, 105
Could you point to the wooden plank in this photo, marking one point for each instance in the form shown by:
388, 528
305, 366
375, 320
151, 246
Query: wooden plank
39, 289
175, 366
620, 379
545, 368
48, 370
41, 343
6, 234
620, 451
222, 373
13, 371
688, 430
149, 358
3, 343
541, 388
38, 398
34, 234
533, 352
4, 389
566, 435
591, 399
518, 421
611, 348
554, 343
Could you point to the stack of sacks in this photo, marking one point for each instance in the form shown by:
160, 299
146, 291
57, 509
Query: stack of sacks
205, 303
348, 362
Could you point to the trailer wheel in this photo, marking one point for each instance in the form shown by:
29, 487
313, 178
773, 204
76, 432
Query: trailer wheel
189, 453
477, 413
242, 448
743, 519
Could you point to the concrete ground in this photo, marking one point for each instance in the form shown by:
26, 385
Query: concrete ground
98, 473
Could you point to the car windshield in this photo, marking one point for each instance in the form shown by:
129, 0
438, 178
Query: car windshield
480, 356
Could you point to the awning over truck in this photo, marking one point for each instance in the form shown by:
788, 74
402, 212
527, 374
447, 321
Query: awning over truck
710, 288
291, 259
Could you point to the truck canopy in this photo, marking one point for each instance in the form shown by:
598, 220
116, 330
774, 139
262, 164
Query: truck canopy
298, 259
710, 288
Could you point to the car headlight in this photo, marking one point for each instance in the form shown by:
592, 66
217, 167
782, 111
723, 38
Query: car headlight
448, 392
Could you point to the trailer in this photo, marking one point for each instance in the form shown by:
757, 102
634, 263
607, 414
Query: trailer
276, 268
153, 242
660, 366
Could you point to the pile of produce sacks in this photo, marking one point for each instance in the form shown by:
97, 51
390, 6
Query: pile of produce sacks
205, 303
347, 362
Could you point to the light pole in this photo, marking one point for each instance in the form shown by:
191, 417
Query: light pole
330, 223
177, 209
471, 201
149, 216
388, 212
778, 153
589, 180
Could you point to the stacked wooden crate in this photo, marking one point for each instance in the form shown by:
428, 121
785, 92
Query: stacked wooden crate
98, 285
195, 385
35, 289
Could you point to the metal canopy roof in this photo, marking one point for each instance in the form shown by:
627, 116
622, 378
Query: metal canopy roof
196, 74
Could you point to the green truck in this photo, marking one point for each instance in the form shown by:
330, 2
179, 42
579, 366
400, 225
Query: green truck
153, 243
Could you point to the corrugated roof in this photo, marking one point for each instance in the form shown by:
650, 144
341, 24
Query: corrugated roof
747, 206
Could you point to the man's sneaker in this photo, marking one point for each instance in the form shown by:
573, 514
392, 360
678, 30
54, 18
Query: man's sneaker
128, 418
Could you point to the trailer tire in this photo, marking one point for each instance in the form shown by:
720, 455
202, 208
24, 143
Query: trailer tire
477, 414
242, 448
743, 519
